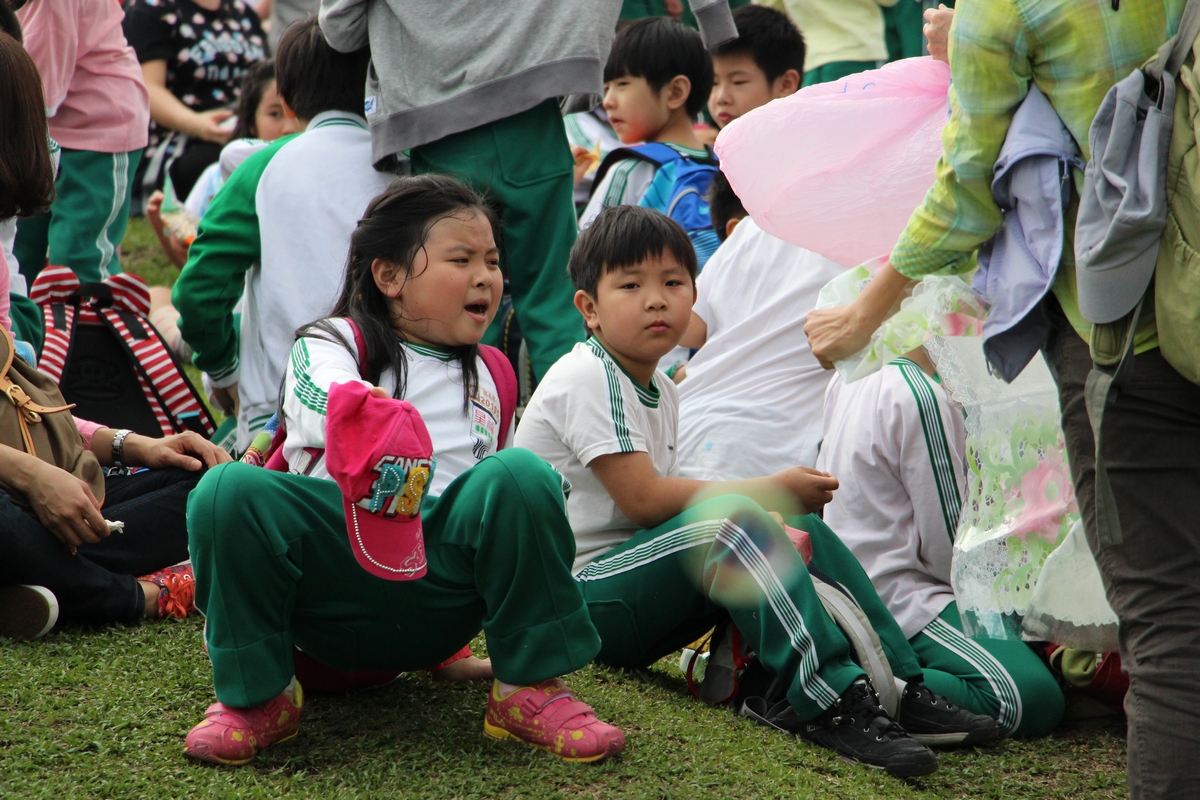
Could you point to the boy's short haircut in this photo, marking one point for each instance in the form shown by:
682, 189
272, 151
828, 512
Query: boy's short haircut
658, 49
625, 236
723, 203
769, 37
312, 77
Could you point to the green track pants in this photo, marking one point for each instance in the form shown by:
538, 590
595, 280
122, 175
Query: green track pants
274, 568
726, 558
84, 227
1002, 678
523, 165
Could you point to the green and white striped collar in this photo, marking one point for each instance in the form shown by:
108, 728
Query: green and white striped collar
329, 119
646, 396
443, 354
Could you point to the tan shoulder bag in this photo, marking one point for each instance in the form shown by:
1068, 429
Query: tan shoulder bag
37, 421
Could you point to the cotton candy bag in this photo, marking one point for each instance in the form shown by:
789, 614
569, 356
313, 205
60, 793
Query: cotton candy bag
839, 167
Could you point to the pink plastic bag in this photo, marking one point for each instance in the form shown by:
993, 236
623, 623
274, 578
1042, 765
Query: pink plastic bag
839, 167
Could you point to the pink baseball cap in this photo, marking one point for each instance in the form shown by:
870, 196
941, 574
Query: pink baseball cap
381, 456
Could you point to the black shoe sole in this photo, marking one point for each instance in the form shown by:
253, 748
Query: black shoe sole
895, 770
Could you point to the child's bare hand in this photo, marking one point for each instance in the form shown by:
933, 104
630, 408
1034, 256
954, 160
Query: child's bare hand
937, 31
175, 249
585, 161
811, 487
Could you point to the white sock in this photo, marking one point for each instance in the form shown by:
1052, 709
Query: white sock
290, 689
506, 688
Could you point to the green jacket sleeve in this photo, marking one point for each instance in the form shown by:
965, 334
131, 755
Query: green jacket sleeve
227, 245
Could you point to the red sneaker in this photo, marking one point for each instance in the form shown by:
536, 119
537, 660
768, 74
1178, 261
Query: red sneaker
548, 716
176, 590
235, 735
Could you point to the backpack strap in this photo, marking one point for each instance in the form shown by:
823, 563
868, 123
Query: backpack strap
273, 458
655, 153
505, 379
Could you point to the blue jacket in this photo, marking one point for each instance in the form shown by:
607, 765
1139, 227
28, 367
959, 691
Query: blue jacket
1032, 186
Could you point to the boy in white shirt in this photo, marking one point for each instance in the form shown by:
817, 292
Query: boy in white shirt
899, 444
751, 400
657, 568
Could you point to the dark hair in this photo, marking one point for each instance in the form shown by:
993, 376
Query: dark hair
768, 37
658, 49
9, 23
26, 171
394, 229
723, 204
312, 77
624, 236
254, 84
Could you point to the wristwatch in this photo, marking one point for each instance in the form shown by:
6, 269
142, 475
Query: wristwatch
118, 447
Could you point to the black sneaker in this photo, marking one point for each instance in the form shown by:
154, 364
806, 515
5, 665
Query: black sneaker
936, 722
858, 728
27, 612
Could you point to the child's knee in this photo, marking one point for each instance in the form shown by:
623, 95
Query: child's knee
221, 493
1042, 702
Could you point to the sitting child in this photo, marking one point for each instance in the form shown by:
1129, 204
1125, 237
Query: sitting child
275, 561
764, 63
899, 443
659, 565
754, 379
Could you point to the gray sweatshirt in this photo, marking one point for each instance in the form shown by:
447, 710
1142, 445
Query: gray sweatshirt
444, 66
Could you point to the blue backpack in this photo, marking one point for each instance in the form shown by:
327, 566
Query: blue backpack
678, 190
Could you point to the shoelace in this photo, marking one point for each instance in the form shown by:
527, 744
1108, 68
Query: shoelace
864, 709
176, 595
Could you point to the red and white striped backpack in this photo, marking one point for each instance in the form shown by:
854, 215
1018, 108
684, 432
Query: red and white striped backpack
110, 361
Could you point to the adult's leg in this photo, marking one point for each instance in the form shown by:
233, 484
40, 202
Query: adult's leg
1151, 446
86, 591
186, 170
153, 506
32, 244
90, 211
726, 556
1001, 678
831, 556
1070, 361
523, 165
273, 566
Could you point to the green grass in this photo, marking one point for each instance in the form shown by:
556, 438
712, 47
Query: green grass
103, 713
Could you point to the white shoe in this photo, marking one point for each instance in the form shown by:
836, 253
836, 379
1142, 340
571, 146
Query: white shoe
27, 612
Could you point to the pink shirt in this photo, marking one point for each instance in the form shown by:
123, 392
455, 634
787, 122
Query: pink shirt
95, 96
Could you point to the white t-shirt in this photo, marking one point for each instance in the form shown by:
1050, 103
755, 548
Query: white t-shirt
896, 444
461, 438
588, 406
751, 402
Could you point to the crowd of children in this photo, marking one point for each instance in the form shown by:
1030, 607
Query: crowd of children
684, 466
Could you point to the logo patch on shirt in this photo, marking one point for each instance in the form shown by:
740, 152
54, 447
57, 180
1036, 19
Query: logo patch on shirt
485, 422
370, 105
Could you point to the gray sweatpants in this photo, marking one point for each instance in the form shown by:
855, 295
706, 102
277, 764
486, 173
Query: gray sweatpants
1151, 440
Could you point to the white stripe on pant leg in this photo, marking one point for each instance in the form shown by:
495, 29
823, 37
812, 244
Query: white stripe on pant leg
789, 616
660, 546
704, 533
120, 187
1003, 686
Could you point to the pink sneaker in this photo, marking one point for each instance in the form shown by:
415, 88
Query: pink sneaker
235, 735
548, 716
